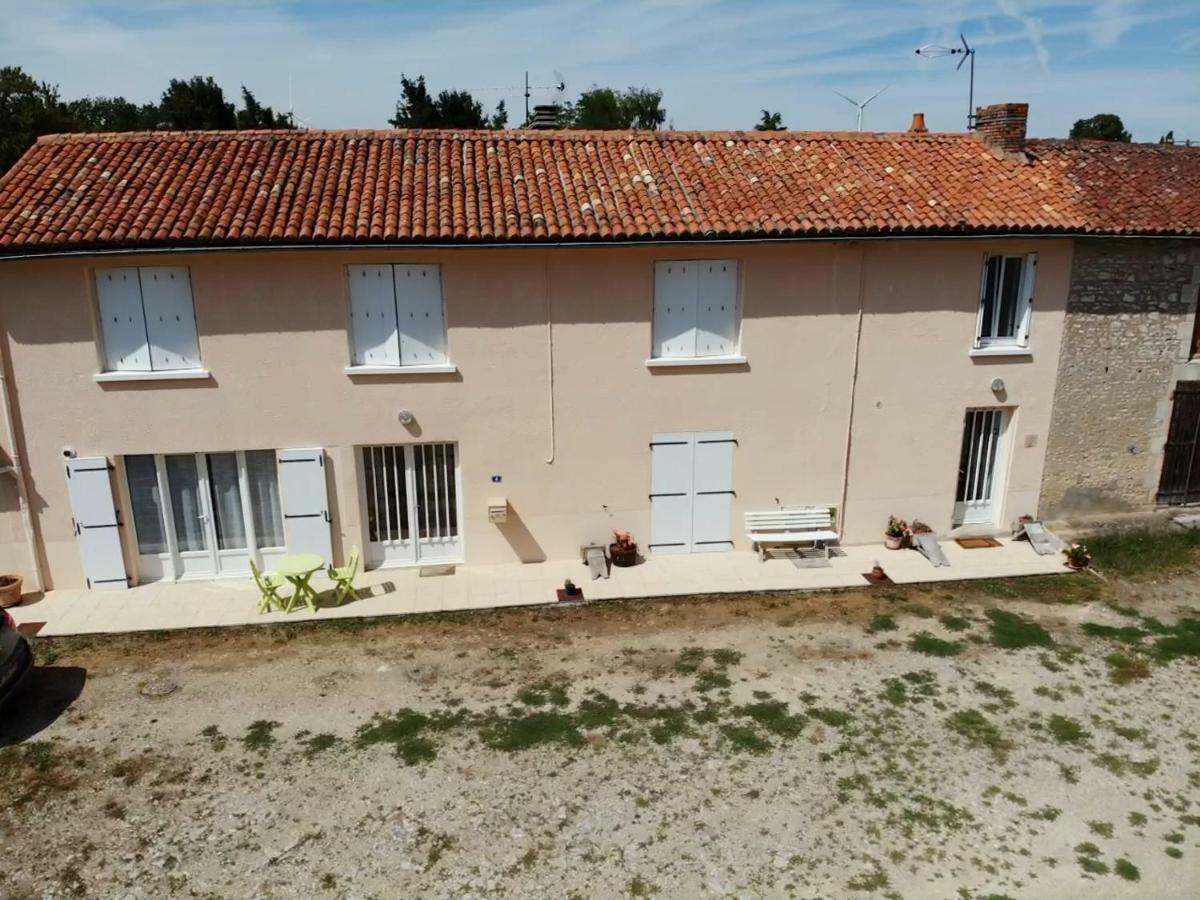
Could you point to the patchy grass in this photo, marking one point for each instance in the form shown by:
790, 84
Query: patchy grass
1123, 669
553, 693
260, 736
535, 729
406, 730
745, 739
710, 681
955, 623
979, 731
1182, 640
1124, 765
216, 740
924, 642
882, 622
319, 743
1066, 730
1104, 829
1126, 634
773, 715
834, 718
1013, 632
1132, 552
1127, 870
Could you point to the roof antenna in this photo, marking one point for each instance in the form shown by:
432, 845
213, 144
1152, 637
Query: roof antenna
863, 105
935, 51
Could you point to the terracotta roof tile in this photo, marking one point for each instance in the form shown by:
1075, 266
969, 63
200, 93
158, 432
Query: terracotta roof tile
359, 187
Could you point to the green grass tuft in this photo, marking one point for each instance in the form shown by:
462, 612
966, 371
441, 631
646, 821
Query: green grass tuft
924, 642
773, 715
1066, 730
1014, 632
745, 738
955, 623
1123, 669
1127, 870
1130, 552
1126, 634
980, 732
523, 732
259, 736
882, 622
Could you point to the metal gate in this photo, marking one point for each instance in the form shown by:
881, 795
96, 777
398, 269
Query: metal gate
412, 503
1180, 482
979, 466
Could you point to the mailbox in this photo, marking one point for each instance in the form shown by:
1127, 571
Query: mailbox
497, 510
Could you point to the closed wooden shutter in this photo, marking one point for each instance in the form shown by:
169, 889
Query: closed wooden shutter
170, 317
716, 307
712, 487
419, 314
96, 527
671, 493
675, 309
373, 316
122, 322
305, 500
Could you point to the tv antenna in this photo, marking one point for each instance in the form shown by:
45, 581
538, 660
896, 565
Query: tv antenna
936, 51
863, 105
559, 87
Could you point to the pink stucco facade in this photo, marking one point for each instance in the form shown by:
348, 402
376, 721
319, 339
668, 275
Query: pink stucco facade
858, 373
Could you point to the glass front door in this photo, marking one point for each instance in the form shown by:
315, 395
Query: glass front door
412, 504
203, 515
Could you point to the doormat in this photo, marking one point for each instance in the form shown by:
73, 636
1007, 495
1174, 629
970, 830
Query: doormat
433, 571
810, 562
977, 543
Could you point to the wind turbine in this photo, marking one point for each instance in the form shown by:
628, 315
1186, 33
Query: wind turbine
863, 105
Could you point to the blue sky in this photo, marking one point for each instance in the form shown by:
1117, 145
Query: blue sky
717, 62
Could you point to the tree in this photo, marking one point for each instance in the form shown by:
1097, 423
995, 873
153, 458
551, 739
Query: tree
417, 108
28, 109
770, 121
198, 104
254, 115
607, 109
1101, 127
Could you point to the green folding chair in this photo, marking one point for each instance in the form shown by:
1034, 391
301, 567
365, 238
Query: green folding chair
343, 579
268, 585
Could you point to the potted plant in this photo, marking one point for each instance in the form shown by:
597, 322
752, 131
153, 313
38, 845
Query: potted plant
1077, 557
623, 550
10, 590
895, 533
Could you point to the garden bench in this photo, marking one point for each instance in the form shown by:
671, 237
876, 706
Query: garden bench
792, 525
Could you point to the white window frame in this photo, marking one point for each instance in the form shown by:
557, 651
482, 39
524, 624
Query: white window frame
1018, 342
151, 373
356, 368
734, 356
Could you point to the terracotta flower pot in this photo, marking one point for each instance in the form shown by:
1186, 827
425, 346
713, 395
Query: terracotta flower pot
622, 558
892, 543
10, 590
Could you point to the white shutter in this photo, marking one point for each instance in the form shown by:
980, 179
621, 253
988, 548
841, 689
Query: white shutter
420, 316
373, 316
716, 316
712, 486
671, 493
170, 317
305, 500
122, 323
675, 309
1028, 279
96, 526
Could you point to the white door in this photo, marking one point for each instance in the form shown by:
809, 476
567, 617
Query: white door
190, 512
305, 502
981, 464
413, 510
96, 526
691, 492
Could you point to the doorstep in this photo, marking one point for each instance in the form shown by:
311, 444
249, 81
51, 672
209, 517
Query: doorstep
398, 592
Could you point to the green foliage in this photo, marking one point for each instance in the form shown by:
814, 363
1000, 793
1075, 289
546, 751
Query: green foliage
770, 121
745, 738
1101, 127
606, 109
1123, 669
882, 622
924, 642
523, 732
980, 732
1131, 552
1066, 730
773, 715
417, 108
1126, 634
28, 108
955, 623
254, 115
197, 104
1182, 640
835, 718
260, 736
405, 731
1014, 632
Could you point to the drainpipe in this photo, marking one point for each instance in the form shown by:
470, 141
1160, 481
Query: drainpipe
549, 350
862, 283
17, 470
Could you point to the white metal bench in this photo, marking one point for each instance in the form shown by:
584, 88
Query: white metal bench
792, 525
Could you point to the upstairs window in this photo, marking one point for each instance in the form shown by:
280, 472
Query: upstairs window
147, 320
695, 308
1006, 301
397, 318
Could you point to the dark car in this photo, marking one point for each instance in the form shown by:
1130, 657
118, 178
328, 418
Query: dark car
16, 657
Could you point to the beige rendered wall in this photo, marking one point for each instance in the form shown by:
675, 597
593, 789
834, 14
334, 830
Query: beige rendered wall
273, 333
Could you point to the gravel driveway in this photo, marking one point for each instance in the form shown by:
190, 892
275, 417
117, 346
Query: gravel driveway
1033, 738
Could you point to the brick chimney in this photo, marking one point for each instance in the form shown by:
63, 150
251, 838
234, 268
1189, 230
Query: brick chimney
1003, 125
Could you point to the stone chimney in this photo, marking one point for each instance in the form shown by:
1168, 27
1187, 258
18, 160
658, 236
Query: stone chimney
918, 124
1002, 125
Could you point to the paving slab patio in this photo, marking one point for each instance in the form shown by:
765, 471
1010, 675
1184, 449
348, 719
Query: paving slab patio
394, 592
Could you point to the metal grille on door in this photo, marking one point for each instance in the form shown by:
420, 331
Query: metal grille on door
412, 502
982, 433
1180, 480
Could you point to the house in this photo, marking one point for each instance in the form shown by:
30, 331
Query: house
498, 346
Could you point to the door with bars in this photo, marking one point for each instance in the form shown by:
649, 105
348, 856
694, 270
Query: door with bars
1179, 483
980, 466
412, 502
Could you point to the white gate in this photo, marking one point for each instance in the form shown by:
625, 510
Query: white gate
981, 464
96, 527
412, 503
691, 492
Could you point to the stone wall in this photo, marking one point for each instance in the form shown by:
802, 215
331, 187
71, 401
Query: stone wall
1126, 341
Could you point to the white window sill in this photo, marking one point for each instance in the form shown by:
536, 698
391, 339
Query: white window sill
431, 369
165, 375
1001, 350
666, 363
